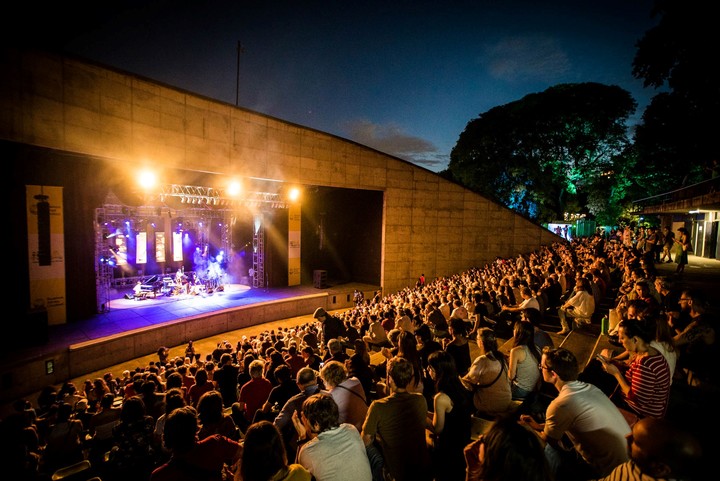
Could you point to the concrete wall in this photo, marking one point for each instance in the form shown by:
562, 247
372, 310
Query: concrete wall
431, 226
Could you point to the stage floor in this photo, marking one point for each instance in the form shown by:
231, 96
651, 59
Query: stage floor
128, 314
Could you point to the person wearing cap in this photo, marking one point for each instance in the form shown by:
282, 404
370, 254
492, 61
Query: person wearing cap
332, 327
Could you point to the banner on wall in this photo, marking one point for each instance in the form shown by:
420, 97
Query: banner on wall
177, 246
141, 248
159, 247
294, 245
46, 251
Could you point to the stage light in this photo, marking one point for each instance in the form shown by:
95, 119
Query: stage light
147, 179
294, 194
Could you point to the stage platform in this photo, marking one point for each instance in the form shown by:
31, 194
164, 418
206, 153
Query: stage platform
133, 328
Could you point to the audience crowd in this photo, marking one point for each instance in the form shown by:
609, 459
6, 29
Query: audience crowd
309, 402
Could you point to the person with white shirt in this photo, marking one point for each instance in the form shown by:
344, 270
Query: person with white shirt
335, 451
583, 413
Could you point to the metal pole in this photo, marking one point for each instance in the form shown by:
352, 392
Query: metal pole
237, 75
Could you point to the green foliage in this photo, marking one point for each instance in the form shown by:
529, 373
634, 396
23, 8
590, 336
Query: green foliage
548, 151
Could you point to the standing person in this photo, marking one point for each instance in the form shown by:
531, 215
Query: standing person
335, 450
683, 239
332, 327
449, 423
191, 458
398, 422
668, 242
586, 415
486, 377
264, 457
190, 351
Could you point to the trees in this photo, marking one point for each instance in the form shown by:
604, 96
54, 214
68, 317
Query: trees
549, 152
676, 141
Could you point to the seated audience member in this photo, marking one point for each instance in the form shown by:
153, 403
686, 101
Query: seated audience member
523, 371
449, 423
541, 337
213, 419
135, 453
307, 381
192, 458
697, 344
663, 342
583, 413
643, 384
64, 440
264, 457
347, 392
253, 394
376, 336
458, 345
579, 307
659, 451
510, 313
174, 399
279, 394
335, 450
507, 451
100, 428
311, 359
358, 367
487, 377
335, 351
398, 422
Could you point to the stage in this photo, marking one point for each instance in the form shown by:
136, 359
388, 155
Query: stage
134, 328
226, 293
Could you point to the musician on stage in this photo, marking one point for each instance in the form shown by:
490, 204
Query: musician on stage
137, 292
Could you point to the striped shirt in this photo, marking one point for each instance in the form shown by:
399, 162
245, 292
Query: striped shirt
649, 379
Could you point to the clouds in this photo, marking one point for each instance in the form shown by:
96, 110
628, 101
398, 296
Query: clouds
392, 139
530, 57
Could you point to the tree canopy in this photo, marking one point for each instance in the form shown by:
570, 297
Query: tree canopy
549, 152
676, 140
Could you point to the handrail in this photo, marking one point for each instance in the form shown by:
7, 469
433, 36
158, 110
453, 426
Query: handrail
701, 188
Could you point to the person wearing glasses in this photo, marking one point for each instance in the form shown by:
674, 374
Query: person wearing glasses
584, 415
697, 343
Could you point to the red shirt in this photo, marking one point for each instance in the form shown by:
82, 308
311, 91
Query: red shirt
204, 461
254, 393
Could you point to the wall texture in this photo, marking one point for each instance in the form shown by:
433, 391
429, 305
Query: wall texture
430, 225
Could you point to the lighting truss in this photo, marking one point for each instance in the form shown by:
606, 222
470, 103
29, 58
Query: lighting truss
210, 196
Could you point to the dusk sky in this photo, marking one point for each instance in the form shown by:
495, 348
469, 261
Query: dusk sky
403, 77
